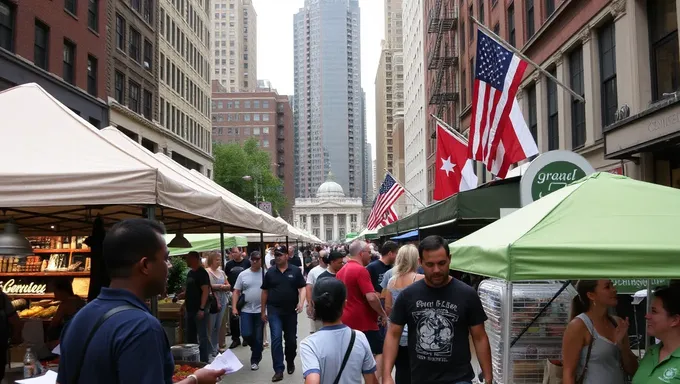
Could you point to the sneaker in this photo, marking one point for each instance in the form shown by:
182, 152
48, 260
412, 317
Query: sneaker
278, 376
254, 367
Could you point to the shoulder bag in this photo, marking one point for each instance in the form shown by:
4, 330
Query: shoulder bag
97, 325
346, 358
242, 297
212, 302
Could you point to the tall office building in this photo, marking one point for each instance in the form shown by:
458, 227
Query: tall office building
185, 72
415, 116
234, 45
328, 97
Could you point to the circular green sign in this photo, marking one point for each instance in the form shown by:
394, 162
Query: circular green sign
554, 176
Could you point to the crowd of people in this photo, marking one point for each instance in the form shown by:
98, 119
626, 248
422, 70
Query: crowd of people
393, 316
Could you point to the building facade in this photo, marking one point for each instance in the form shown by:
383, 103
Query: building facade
330, 215
184, 80
415, 104
264, 116
62, 47
328, 96
234, 45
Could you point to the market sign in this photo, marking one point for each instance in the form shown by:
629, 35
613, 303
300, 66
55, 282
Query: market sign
14, 287
630, 286
552, 171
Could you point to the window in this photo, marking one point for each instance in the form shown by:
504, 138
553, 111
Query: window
148, 11
511, 25
607, 47
148, 55
6, 25
136, 5
133, 99
119, 88
265, 130
578, 108
463, 92
472, 25
135, 45
265, 143
256, 104
40, 46
92, 75
256, 130
549, 8
256, 117
497, 29
663, 33
246, 117
93, 15
120, 32
480, 11
265, 104
531, 27
71, 6
265, 117
68, 58
553, 117
533, 116
246, 104
148, 105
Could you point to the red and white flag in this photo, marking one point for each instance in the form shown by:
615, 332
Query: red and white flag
499, 135
454, 171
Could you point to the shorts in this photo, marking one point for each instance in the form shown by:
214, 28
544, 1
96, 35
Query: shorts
375, 341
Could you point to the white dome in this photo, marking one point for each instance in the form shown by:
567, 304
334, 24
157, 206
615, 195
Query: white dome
330, 188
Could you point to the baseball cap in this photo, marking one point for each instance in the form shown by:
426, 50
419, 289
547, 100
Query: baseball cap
281, 250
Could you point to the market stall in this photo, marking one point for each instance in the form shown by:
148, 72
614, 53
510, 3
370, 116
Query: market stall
207, 242
602, 226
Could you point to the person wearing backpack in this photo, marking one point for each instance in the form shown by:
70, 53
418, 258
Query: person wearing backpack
335, 354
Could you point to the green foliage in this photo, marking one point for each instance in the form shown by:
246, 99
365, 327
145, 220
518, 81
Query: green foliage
233, 161
177, 275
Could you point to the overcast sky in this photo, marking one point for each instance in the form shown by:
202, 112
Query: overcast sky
275, 48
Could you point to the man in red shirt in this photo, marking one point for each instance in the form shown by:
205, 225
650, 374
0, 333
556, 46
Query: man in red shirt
363, 303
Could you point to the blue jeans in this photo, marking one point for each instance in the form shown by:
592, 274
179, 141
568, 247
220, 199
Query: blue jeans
197, 332
252, 330
215, 325
283, 326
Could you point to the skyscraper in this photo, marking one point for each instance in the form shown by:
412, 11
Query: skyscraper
328, 97
234, 45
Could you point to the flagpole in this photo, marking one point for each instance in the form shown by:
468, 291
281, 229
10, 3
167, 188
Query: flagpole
402, 185
450, 129
525, 58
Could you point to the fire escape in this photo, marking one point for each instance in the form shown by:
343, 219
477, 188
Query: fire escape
443, 55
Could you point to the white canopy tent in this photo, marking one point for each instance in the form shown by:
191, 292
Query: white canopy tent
295, 233
61, 173
234, 214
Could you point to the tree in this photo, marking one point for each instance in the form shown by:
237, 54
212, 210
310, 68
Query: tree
233, 161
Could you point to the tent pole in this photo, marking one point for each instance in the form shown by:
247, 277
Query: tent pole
151, 215
224, 254
286, 242
262, 248
507, 328
648, 304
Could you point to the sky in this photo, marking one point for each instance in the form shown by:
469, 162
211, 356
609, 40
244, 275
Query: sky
275, 48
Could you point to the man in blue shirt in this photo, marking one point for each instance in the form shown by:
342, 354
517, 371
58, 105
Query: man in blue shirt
129, 346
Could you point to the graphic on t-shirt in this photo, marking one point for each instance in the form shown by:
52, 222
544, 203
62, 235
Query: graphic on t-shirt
434, 330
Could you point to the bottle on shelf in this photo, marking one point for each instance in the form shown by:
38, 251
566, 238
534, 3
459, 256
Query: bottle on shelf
30, 364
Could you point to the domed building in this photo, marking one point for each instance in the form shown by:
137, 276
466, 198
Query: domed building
330, 215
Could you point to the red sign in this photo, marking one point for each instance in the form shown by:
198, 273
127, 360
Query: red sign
616, 171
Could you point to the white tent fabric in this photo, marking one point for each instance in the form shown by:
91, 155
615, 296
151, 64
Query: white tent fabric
195, 199
256, 218
295, 233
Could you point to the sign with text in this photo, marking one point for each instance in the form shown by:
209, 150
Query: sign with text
23, 287
552, 171
265, 206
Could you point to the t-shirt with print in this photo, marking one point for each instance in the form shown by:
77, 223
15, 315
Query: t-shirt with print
249, 283
377, 271
195, 280
438, 321
325, 274
322, 352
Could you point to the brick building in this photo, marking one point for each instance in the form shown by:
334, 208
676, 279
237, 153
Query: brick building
60, 45
265, 116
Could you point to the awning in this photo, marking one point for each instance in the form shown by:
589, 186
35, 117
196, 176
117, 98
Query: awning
207, 242
407, 235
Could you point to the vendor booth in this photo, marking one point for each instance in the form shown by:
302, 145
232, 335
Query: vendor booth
602, 226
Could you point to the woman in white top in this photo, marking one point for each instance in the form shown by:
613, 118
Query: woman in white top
220, 287
405, 274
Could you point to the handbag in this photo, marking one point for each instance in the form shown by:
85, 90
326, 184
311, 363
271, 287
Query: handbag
346, 358
212, 302
552, 373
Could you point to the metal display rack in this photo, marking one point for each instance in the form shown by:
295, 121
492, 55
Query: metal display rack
542, 341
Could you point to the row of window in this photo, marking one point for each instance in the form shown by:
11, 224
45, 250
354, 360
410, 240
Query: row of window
138, 99
237, 104
181, 43
171, 75
263, 144
71, 6
129, 41
240, 117
246, 131
183, 125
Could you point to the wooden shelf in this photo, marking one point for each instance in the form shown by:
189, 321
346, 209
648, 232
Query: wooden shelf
65, 250
45, 274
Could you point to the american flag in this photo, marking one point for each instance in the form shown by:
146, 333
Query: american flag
498, 73
382, 212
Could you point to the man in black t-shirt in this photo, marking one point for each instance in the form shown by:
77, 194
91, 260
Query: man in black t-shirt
232, 269
195, 302
334, 264
294, 258
441, 313
377, 268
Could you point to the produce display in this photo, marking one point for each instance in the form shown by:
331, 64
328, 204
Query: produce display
43, 309
182, 372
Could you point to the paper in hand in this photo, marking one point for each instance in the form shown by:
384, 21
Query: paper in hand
57, 350
227, 361
50, 377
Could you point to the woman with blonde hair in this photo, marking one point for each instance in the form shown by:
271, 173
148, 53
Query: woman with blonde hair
405, 274
220, 287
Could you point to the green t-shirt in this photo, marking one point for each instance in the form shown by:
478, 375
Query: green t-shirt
651, 371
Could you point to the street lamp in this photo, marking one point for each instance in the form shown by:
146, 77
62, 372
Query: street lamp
250, 178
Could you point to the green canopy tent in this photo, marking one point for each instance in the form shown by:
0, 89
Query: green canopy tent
207, 242
604, 225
